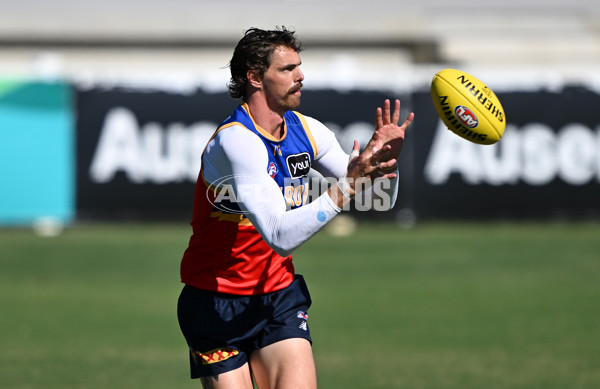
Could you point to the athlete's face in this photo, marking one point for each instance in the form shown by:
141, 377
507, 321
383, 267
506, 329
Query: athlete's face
283, 79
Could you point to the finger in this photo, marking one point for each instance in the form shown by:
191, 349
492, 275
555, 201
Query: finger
384, 151
386, 112
387, 164
389, 176
408, 120
396, 115
355, 150
378, 155
377, 152
378, 118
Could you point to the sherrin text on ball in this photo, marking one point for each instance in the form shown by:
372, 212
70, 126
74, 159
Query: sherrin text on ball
468, 107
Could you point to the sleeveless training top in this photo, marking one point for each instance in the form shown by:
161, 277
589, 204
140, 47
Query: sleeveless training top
226, 253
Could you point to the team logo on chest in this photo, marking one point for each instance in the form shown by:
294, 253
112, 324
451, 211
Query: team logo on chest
272, 170
298, 164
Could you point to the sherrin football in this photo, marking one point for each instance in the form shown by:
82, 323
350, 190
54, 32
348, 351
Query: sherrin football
468, 107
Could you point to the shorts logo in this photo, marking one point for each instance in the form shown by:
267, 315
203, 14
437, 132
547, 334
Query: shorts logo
213, 356
466, 116
298, 164
302, 315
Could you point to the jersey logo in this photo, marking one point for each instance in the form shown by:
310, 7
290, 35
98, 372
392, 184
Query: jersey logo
298, 164
272, 170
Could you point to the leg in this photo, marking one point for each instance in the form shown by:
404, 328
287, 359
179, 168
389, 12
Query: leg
287, 364
235, 379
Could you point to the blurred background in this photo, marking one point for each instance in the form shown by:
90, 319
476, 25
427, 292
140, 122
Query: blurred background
105, 106
484, 275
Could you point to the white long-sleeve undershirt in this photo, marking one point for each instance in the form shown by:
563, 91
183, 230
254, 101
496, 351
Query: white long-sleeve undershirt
238, 153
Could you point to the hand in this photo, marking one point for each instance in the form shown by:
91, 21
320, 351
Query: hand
388, 133
380, 156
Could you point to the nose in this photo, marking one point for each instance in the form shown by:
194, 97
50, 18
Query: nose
299, 75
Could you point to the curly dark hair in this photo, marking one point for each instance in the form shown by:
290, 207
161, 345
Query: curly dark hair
253, 52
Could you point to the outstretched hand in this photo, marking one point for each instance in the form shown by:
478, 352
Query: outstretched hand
387, 131
380, 156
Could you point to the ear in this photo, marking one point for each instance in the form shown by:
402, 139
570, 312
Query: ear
254, 79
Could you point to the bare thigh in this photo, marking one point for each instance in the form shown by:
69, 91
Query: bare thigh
287, 364
235, 379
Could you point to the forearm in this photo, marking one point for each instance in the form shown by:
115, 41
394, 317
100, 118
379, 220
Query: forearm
285, 231
378, 195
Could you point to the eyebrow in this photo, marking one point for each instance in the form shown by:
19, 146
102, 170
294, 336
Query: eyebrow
290, 66
293, 65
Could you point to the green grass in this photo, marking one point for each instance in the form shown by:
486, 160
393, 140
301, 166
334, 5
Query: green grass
444, 305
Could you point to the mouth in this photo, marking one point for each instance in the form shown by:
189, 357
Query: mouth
296, 89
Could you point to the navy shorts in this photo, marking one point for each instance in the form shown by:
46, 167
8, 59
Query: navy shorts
222, 330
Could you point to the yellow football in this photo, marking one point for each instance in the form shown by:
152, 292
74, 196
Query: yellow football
468, 107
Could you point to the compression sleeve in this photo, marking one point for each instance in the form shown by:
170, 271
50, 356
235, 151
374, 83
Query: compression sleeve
239, 154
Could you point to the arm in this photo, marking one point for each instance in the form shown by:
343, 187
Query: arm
238, 153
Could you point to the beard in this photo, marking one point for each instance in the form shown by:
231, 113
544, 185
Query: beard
283, 102
292, 100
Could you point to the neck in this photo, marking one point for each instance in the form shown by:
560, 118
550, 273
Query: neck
265, 117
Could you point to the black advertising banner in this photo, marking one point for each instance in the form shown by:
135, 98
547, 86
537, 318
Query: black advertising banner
547, 165
139, 151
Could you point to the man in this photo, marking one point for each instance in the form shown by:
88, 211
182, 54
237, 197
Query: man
243, 310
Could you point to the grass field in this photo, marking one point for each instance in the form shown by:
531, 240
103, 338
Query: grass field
444, 305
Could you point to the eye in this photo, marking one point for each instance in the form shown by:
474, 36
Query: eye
291, 67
